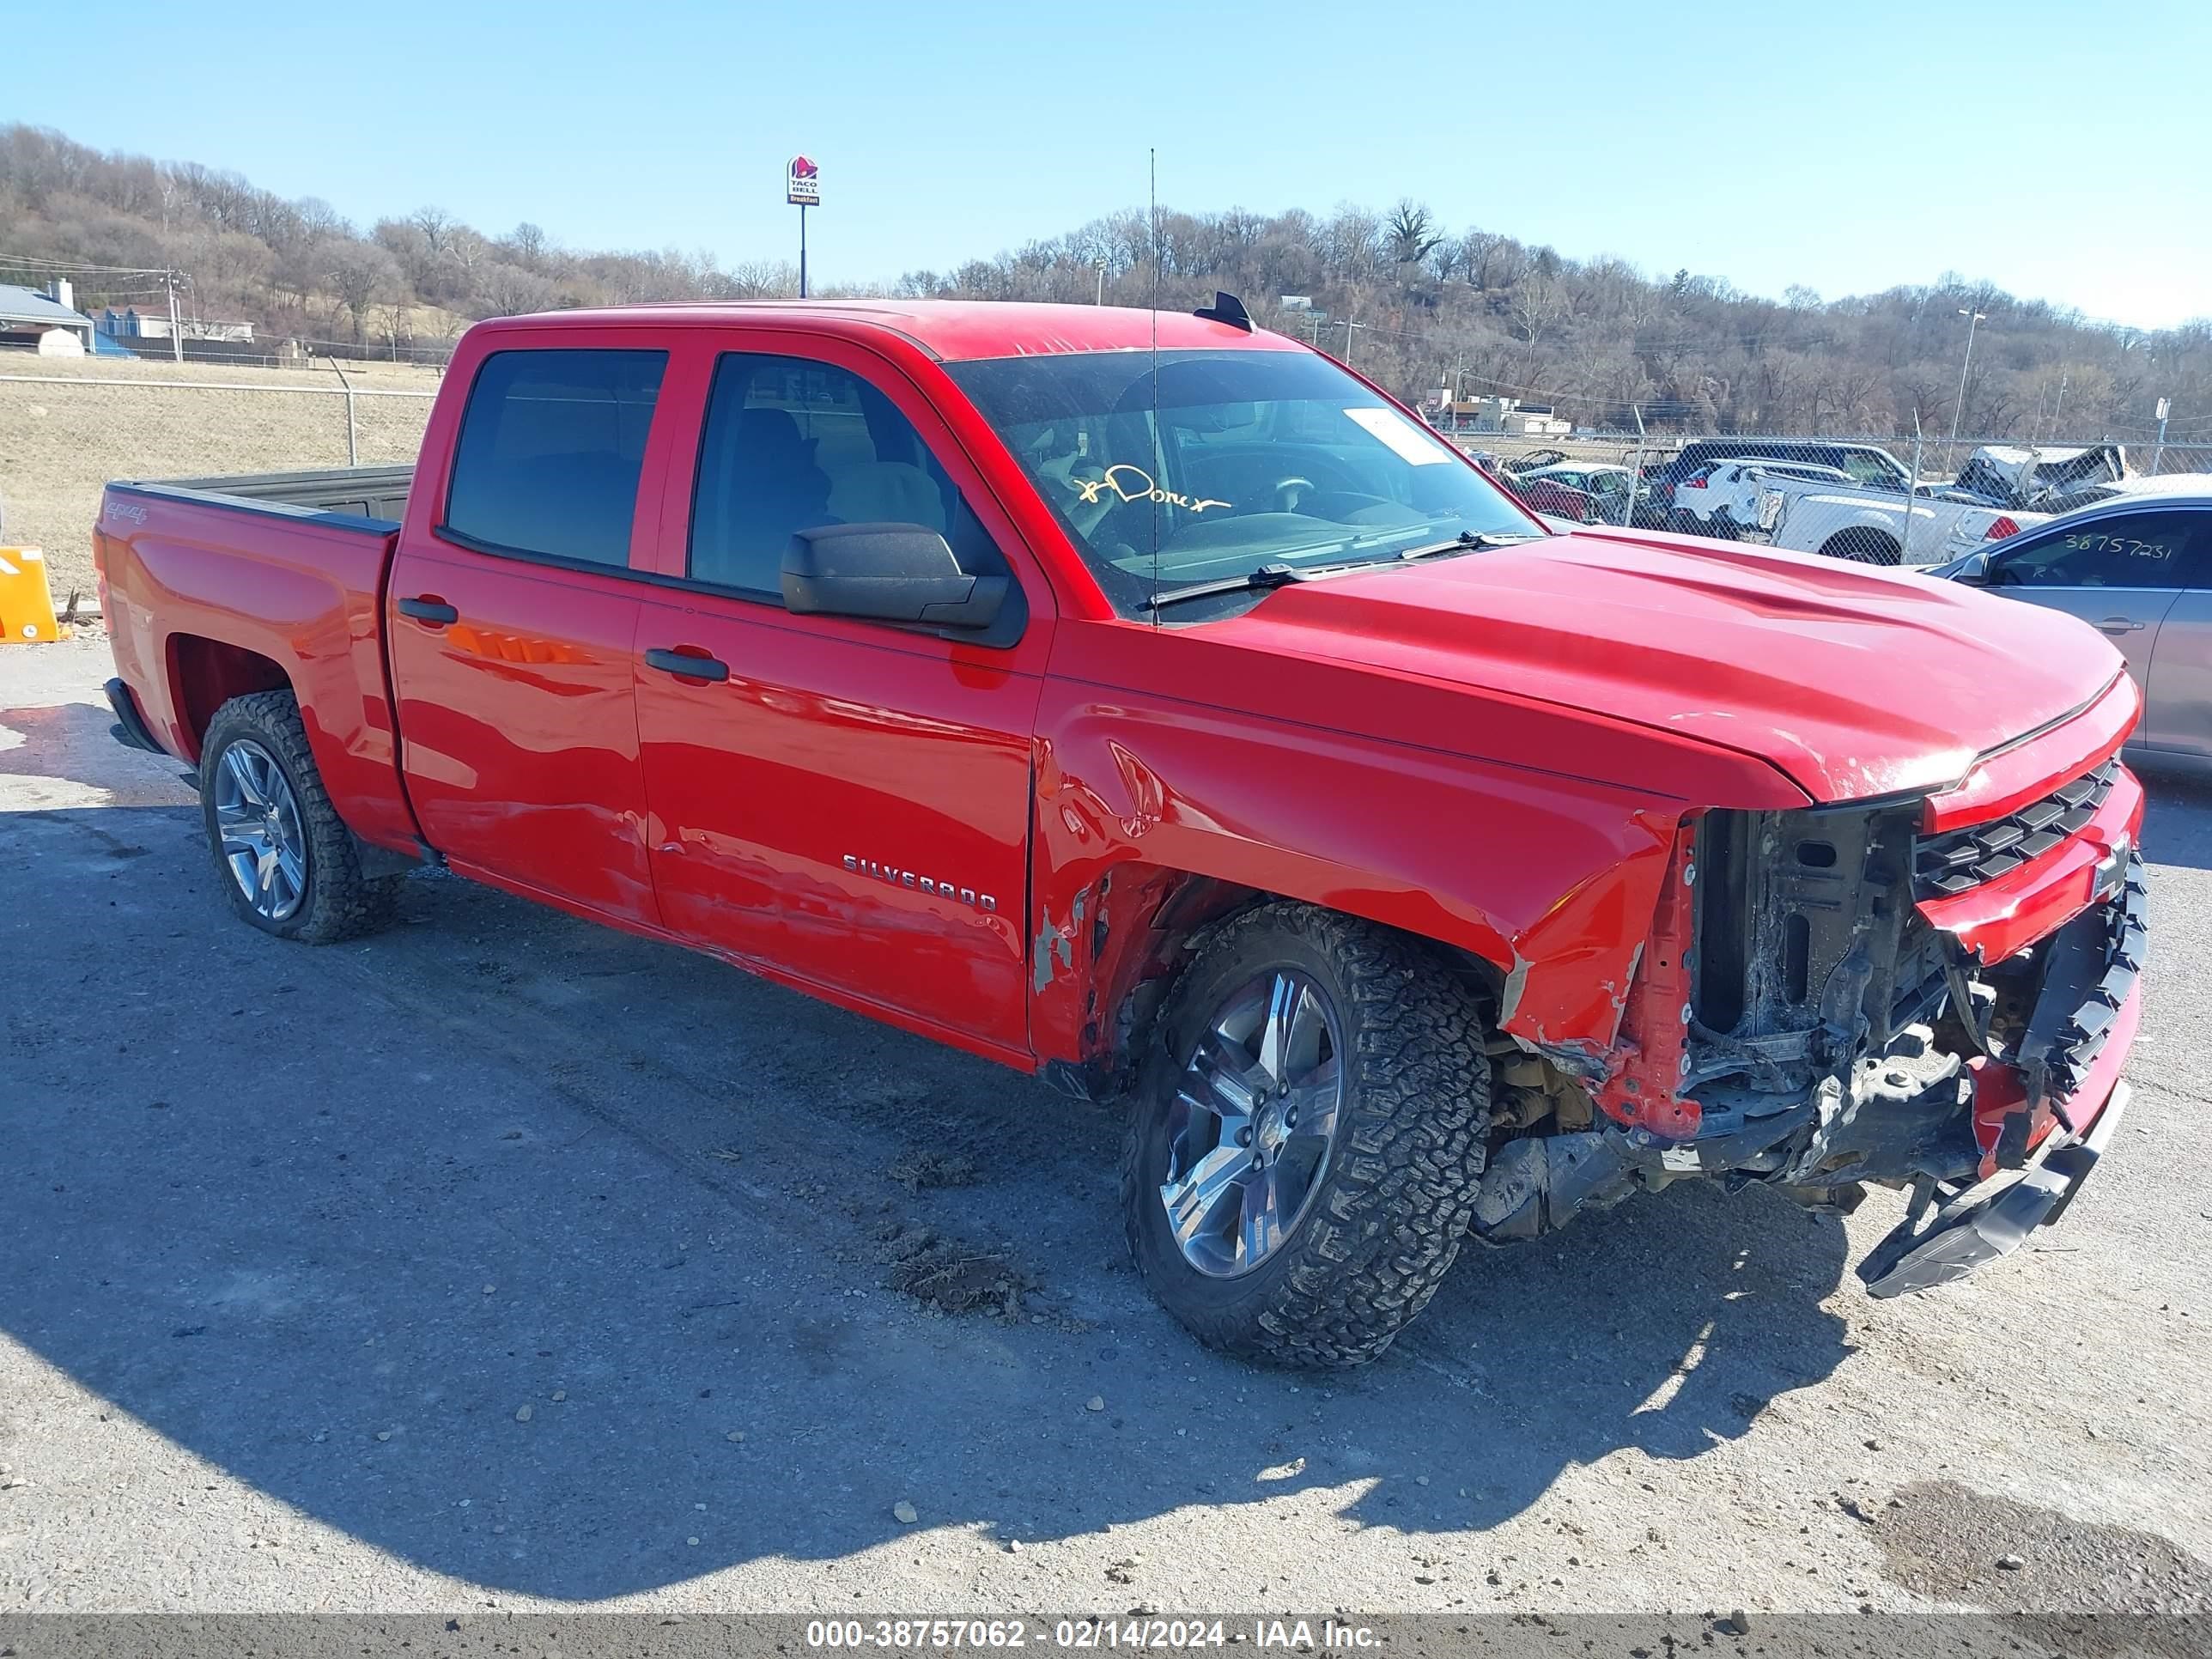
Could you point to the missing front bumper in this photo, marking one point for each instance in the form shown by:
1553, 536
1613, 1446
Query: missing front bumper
1979, 1225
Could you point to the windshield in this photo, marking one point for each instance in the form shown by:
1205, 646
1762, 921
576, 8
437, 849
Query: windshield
1245, 459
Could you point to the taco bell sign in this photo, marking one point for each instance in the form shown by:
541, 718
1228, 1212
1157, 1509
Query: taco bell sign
802, 183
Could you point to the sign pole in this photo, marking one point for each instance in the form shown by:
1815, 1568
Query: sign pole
802, 188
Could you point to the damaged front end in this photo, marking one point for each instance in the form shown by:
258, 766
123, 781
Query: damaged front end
1868, 993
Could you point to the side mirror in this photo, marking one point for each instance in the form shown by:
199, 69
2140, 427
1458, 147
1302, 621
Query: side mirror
1974, 569
901, 573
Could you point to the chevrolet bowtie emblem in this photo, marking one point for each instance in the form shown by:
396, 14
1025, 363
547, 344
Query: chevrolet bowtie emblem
2111, 874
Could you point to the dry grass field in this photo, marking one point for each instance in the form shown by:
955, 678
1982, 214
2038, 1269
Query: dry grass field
60, 442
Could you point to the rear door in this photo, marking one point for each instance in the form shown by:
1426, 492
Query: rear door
512, 614
844, 803
2122, 574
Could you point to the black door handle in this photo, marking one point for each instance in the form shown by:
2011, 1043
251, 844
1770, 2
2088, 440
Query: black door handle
436, 612
691, 668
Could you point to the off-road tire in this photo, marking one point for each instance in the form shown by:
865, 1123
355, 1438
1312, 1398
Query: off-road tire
1395, 1200
339, 902
1860, 545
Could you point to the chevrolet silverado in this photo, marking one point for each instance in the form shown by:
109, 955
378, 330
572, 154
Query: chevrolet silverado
1145, 701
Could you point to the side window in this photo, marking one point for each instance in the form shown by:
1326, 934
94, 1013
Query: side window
550, 445
791, 445
2124, 549
1869, 469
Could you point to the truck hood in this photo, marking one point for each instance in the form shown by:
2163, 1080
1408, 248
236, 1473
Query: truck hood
1853, 681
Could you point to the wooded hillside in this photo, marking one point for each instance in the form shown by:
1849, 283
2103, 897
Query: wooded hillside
1429, 306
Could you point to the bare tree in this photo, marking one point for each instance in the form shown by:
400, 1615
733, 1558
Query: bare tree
1411, 232
359, 275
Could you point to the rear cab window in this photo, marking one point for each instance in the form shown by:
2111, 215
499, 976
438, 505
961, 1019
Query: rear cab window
550, 448
1870, 468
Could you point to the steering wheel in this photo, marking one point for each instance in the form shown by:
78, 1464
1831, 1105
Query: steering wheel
1290, 492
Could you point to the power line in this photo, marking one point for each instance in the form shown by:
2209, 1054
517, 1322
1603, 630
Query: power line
35, 262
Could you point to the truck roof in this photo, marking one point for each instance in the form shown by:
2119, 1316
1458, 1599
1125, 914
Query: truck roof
952, 330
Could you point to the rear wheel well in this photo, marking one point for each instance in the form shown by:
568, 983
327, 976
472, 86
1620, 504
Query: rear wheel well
204, 674
1862, 545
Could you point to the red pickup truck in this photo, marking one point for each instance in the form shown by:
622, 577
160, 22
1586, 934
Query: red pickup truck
1145, 701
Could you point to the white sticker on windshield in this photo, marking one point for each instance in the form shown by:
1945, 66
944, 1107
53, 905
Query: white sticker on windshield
1407, 442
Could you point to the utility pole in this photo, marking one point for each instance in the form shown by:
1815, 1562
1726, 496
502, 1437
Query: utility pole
1960, 407
176, 329
1100, 299
2158, 455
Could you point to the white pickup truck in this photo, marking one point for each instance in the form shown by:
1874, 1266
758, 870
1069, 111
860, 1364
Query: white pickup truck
1876, 528
2000, 490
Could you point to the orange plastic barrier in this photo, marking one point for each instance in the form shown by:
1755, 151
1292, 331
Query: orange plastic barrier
27, 605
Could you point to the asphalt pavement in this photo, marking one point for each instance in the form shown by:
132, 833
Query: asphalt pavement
504, 1262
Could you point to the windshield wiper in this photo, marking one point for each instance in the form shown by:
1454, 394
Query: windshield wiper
1466, 541
1268, 577
1265, 578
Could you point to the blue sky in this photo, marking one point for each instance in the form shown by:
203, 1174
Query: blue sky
2061, 150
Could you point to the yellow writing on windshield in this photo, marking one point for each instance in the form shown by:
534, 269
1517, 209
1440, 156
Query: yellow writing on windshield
1133, 483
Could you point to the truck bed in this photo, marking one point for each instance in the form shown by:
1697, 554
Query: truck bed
375, 495
216, 587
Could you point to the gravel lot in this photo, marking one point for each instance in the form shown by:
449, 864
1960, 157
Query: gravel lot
502, 1261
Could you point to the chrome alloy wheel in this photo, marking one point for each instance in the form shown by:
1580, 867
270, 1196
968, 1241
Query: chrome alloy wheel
1253, 1124
263, 841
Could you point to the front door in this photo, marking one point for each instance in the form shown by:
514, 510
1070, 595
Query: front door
844, 804
2120, 572
512, 620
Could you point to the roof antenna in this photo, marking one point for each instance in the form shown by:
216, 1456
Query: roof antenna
1158, 450
1226, 309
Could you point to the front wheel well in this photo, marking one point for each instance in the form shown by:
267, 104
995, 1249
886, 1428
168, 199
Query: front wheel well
1143, 926
204, 674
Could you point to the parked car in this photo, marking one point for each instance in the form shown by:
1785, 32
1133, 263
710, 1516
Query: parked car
1144, 702
1865, 464
2138, 568
1554, 500
1876, 526
1722, 498
1603, 492
2089, 494
2041, 478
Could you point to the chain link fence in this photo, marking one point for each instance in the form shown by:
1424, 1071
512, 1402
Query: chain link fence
69, 426
1879, 499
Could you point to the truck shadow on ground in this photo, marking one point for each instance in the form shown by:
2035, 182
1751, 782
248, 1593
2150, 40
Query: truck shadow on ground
555, 1262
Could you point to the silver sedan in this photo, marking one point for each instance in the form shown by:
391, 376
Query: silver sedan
2138, 567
